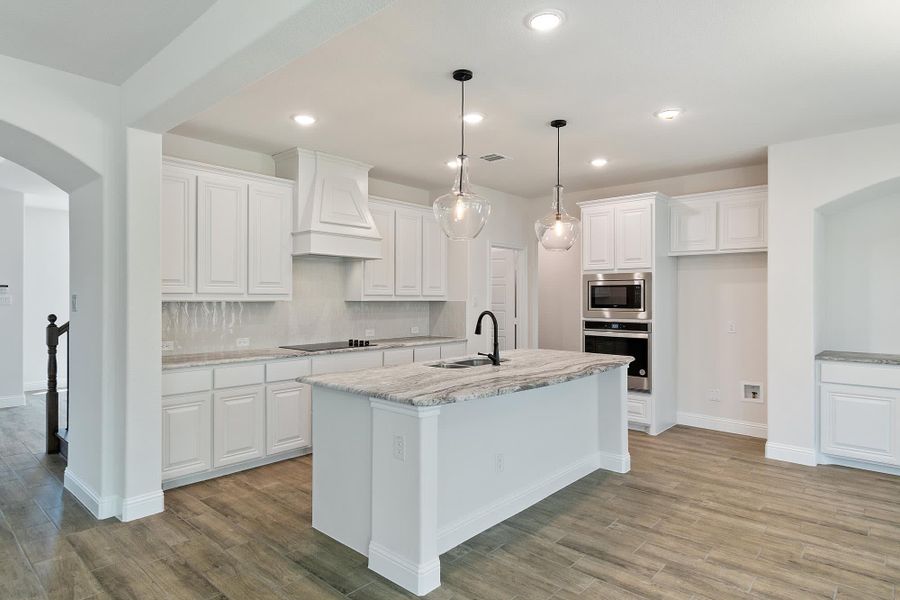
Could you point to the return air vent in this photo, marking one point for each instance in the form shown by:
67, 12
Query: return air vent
494, 157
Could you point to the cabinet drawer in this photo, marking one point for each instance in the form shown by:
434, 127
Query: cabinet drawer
638, 409
398, 356
425, 353
454, 350
287, 369
346, 361
860, 374
234, 376
185, 382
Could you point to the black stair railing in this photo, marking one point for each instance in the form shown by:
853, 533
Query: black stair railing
57, 439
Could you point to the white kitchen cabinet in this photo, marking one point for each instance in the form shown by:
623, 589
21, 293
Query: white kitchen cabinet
178, 228
434, 259
378, 274
398, 356
185, 434
269, 239
693, 226
427, 353
454, 350
408, 252
742, 222
238, 425
342, 362
221, 235
597, 239
288, 417
634, 236
861, 423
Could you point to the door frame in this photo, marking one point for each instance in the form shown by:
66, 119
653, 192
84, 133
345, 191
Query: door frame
522, 318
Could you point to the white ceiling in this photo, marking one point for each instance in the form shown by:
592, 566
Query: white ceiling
748, 73
38, 191
101, 39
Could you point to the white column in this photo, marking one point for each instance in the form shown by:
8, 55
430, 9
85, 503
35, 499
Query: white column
612, 425
403, 547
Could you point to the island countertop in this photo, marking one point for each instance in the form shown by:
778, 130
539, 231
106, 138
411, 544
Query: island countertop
419, 384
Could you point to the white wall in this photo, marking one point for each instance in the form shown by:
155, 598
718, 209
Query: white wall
861, 287
805, 176
12, 210
46, 289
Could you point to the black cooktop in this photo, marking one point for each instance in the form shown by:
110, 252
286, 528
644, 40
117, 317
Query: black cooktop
327, 346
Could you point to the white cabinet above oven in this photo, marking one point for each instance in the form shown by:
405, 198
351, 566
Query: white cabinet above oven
622, 234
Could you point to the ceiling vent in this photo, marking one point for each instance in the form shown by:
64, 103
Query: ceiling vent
494, 157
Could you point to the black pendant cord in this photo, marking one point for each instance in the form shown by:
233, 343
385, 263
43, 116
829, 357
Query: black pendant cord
462, 130
557, 173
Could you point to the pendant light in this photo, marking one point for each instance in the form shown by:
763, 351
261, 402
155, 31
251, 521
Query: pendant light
558, 230
462, 213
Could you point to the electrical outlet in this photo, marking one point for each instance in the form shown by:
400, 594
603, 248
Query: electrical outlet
499, 463
168, 345
714, 395
400, 448
74, 303
732, 327
370, 333
242, 342
414, 330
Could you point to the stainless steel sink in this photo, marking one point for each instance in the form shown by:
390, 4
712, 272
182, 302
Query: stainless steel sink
465, 363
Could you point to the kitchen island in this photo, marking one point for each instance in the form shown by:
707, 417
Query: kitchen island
410, 461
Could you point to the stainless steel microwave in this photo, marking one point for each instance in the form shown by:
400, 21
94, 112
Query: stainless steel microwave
617, 295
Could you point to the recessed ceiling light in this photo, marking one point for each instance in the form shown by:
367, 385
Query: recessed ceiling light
668, 114
304, 120
545, 20
473, 118
599, 162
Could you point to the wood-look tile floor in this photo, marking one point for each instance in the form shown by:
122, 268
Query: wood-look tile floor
701, 515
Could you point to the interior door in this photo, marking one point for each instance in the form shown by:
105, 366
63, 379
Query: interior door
503, 295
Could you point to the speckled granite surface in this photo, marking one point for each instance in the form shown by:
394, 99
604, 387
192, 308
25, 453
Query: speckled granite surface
421, 385
868, 358
183, 361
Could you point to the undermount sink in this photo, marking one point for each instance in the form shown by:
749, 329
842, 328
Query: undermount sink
465, 363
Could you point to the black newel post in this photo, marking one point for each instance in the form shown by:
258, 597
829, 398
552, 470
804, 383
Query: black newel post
52, 393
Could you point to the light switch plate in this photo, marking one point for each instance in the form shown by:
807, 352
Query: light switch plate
414, 330
243, 342
370, 333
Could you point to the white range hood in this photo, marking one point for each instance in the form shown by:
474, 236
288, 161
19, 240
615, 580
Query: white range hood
331, 205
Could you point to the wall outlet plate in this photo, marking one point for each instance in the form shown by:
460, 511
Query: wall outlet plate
732, 327
243, 342
168, 345
399, 450
414, 330
714, 395
370, 333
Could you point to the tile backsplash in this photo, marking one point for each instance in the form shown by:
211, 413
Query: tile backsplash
317, 313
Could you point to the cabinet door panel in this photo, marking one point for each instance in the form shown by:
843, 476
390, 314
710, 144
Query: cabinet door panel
742, 222
861, 423
221, 235
238, 425
426, 353
185, 435
434, 258
634, 236
269, 239
408, 255
178, 228
692, 226
287, 417
378, 275
597, 238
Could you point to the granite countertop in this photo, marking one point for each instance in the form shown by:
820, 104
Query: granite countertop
869, 358
421, 385
204, 359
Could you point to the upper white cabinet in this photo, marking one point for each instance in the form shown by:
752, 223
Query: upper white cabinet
618, 234
720, 222
414, 256
225, 234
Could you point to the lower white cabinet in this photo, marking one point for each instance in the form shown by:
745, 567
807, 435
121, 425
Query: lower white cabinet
288, 417
861, 423
425, 353
186, 429
239, 425
454, 350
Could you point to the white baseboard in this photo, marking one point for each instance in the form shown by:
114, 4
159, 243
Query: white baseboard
418, 579
143, 505
11, 401
31, 386
102, 507
724, 424
617, 463
825, 459
793, 454
474, 523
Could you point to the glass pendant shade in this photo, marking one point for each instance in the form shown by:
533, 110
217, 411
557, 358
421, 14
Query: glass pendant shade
558, 231
462, 213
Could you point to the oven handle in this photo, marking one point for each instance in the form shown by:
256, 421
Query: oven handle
618, 334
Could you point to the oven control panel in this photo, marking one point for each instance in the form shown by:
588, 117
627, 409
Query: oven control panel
616, 326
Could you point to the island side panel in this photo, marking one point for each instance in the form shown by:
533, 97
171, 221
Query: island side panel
405, 473
612, 420
500, 455
342, 467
